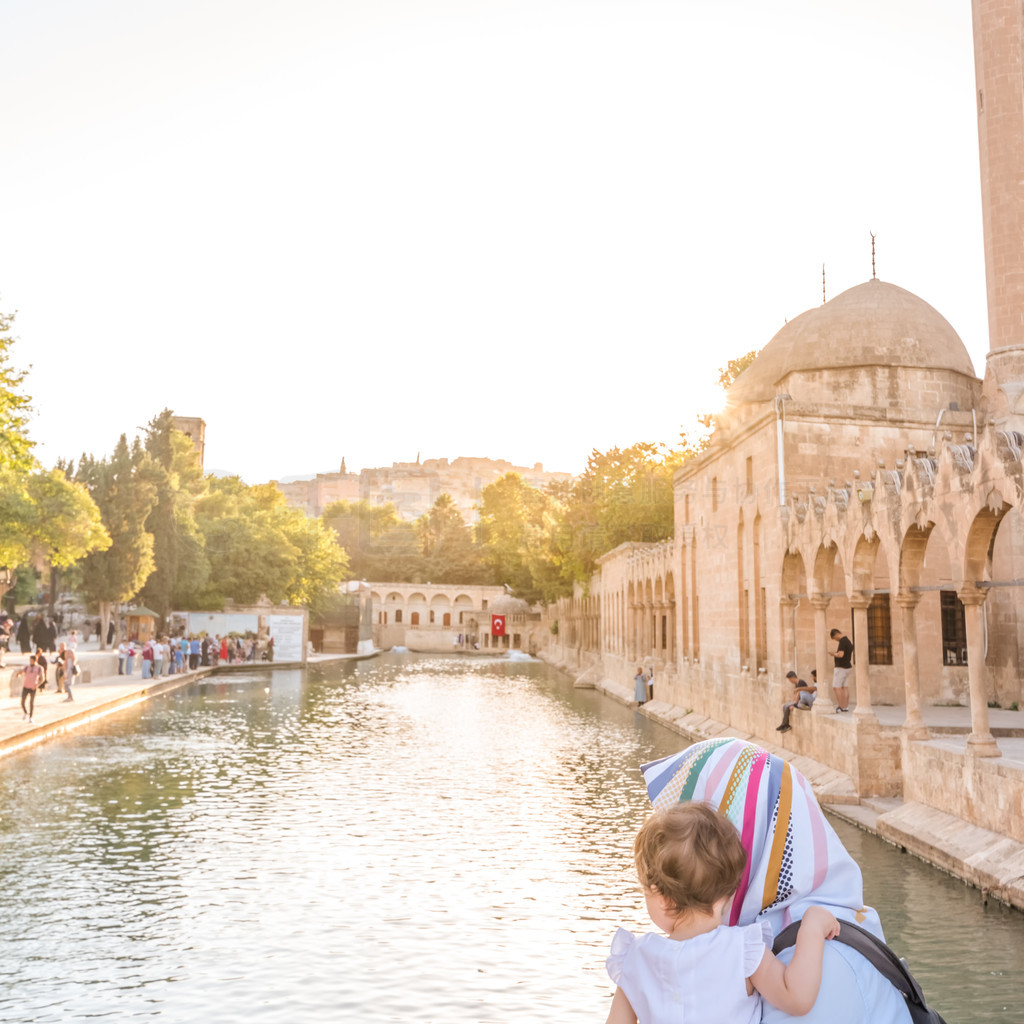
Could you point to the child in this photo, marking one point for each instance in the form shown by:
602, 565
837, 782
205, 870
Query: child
690, 860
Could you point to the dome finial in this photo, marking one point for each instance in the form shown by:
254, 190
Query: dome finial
872, 234
823, 298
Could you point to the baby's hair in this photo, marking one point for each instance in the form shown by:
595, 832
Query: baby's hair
691, 855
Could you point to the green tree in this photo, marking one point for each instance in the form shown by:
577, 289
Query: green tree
450, 554
516, 528
16, 448
181, 564
124, 487
727, 374
359, 527
624, 495
43, 515
258, 545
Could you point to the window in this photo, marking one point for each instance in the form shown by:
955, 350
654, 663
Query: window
714, 494
954, 629
431, 616
447, 620
398, 615
879, 631
415, 619
750, 476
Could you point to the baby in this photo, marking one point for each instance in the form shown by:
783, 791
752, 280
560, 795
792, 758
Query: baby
690, 860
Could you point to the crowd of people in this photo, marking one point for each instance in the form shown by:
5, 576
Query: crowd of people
36, 634
168, 655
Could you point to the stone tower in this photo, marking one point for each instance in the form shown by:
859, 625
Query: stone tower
998, 59
193, 428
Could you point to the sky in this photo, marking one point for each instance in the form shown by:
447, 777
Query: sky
382, 229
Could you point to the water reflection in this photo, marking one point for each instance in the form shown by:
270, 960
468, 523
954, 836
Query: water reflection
410, 839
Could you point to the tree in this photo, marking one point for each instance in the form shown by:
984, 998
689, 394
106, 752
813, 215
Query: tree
358, 525
624, 495
727, 374
449, 552
43, 515
258, 545
16, 453
516, 526
181, 564
124, 487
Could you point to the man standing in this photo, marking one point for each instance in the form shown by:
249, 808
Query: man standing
843, 655
803, 698
69, 657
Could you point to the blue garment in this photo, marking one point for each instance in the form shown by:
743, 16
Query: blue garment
640, 688
852, 992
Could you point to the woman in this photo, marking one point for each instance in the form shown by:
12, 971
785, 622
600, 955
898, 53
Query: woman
640, 687
795, 860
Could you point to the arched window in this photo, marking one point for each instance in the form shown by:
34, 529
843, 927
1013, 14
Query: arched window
414, 619
398, 615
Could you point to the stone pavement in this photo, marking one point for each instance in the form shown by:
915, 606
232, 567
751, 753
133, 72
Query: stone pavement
987, 860
104, 692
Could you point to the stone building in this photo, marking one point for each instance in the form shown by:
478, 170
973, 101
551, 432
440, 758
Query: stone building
315, 494
862, 477
446, 618
412, 487
194, 428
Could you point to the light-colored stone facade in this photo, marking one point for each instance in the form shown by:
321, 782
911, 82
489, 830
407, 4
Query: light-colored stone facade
314, 495
862, 478
446, 619
413, 487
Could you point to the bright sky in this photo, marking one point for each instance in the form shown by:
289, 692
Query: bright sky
502, 228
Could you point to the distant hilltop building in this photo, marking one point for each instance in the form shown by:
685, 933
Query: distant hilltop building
412, 487
195, 430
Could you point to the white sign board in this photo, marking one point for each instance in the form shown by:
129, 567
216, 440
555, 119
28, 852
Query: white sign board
287, 633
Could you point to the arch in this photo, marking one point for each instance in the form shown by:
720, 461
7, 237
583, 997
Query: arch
1004, 611
796, 618
981, 537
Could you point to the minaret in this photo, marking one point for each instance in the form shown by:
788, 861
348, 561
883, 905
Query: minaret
998, 50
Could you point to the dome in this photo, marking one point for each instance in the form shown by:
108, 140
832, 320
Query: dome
506, 604
872, 324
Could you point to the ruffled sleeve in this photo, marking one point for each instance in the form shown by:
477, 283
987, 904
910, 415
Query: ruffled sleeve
622, 943
756, 937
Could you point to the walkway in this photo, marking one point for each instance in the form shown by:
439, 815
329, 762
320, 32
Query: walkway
987, 860
104, 693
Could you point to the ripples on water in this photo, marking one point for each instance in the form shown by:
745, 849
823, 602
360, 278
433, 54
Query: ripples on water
405, 839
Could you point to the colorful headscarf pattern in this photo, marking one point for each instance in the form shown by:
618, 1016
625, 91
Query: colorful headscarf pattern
794, 858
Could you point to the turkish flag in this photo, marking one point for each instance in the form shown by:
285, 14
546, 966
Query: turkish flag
497, 625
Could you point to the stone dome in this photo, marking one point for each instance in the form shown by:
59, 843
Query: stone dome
506, 604
871, 324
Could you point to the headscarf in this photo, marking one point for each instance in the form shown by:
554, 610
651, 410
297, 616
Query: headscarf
794, 858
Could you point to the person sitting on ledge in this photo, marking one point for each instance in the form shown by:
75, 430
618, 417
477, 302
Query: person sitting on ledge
804, 698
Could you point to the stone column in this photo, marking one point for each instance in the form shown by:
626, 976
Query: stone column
670, 625
862, 692
914, 726
822, 662
980, 743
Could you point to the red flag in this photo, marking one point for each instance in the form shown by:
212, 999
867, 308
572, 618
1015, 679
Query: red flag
497, 625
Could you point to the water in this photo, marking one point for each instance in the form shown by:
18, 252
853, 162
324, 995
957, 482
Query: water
404, 839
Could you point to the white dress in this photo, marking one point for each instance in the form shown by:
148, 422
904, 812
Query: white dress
701, 980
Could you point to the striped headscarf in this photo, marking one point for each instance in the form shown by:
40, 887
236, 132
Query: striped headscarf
794, 858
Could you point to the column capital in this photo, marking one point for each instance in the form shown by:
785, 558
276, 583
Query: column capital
860, 601
969, 594
908, 599
819, 602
